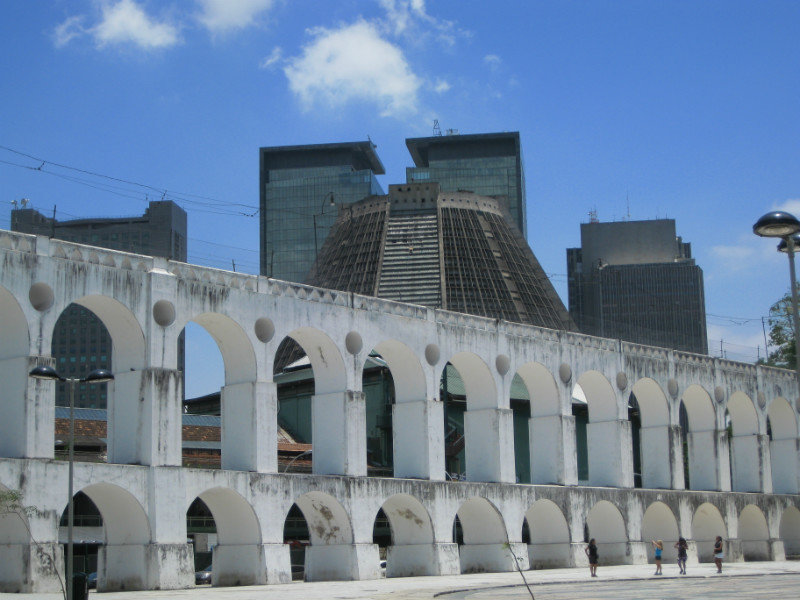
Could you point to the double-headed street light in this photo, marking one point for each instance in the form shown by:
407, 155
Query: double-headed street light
779, 224
96, 376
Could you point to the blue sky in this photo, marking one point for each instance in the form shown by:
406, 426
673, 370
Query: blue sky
681, 109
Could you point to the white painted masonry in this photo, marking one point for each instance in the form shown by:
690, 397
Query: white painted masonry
143, 493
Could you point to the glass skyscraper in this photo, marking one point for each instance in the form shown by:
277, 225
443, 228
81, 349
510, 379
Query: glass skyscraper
489, 164
301, 190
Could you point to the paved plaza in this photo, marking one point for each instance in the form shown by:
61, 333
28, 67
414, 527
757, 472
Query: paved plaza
751, 580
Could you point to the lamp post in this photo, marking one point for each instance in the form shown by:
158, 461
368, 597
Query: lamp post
327, 202
779, 224
96, 376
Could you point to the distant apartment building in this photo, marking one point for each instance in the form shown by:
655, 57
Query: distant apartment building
637, 281
300, 187
81, 343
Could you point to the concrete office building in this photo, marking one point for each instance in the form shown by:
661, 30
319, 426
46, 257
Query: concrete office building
489, 164
298, 187
81, 342
637, 281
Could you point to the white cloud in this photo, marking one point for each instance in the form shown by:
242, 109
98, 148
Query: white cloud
441, 86
68, 30
402, 13
273, 58
220, 16
492, 61
410, 18
127, 22
734, 253
354, 63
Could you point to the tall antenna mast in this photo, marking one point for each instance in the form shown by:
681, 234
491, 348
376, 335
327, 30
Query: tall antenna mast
437, 131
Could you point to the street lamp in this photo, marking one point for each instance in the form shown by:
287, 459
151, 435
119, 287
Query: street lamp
779, 224
327, 202
96, 376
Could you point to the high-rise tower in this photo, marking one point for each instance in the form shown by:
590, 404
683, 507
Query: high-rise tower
299, 188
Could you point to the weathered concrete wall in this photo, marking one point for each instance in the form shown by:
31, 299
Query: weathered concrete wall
143, 493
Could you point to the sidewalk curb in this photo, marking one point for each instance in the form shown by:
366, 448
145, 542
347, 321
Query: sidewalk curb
634, 578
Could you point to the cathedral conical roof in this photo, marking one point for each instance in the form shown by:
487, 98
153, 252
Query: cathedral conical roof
453, 250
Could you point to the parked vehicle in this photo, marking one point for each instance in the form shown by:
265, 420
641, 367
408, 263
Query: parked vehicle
202, 577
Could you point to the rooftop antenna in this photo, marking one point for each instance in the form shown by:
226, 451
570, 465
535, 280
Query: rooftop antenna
24, 202
593, 216
14, 204
437, 131
628, 203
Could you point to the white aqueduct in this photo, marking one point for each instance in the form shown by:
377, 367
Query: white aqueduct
744, 486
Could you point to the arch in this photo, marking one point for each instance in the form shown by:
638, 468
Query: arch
234, 517
409, 520
325, 357
707, 524
328, 522
542, 389
16, 338
14, 352
124, 519
754, 533
600, 396
701, 439
783, 421
124, 328
782, 425
549, 535
409, 378
479, 384
699, 409
790, 531
236, 348
744, 418
607, 525
411, 552
659, 523
481, 522
653, 404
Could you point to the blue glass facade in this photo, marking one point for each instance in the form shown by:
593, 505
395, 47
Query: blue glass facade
489, 164
301, 190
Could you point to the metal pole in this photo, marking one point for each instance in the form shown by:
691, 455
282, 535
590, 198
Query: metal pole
795, 317
316, 248
70, 504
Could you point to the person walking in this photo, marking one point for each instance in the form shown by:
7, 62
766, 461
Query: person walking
718, 553
682, 547
658, 545
591, 552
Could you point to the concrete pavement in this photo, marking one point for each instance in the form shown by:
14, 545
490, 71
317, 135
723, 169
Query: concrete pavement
426, 588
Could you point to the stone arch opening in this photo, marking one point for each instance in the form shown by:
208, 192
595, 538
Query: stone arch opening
410, 551
549, 545
122, 558
754, 533
329, 555
790, 532
700, 439
14, 354
311, 379
469, 394
659, 523
236, 396
653, 438
544, 426
485, 548
707, 524
607, 441
744, 444
782, 425
237, 554
606, 525
394, 383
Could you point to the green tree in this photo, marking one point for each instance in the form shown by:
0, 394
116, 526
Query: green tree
781, 335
